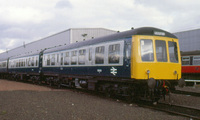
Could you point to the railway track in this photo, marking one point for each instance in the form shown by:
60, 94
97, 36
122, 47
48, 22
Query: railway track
187, 93
186, 111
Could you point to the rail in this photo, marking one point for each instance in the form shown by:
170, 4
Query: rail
186, 111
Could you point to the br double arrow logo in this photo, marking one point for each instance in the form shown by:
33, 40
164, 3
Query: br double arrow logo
113, 71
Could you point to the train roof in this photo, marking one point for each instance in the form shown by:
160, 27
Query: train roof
116, 36
188, 53
26, 55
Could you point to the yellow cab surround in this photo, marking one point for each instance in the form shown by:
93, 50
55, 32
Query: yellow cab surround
143, 70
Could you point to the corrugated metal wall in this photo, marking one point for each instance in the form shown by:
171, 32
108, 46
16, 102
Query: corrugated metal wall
189, 40
62, 38
81, 34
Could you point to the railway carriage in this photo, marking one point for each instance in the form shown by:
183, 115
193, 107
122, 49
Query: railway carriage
191, 65
142, 62
24, 67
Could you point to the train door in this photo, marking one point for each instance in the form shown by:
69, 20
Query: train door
127, 57
7, 66
127, 49
40, 62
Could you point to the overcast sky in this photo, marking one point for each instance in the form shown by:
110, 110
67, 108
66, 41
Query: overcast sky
30, 20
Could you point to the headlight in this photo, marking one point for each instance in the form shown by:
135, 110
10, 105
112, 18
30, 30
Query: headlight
148, 71
175, 72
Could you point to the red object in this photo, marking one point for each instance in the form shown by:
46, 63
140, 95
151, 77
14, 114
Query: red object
190, 69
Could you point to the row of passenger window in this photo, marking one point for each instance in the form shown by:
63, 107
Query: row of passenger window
24, 62
87, 56
191, 60
3, 64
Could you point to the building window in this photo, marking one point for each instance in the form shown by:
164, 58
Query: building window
99, 55
114, 54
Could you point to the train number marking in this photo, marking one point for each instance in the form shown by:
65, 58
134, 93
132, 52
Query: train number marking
113, 71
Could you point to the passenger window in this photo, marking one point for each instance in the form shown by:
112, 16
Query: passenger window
22, 63
81, 57
185, 60
57, 62
147, 50
26, 62
99, 55
29, 61
53, 59
44, 60
48, 60
15, 63
74, 58
66, 60
61, 59
19, 63
196, 60
36, 63
161, 53
173, 52
114, 54
32, 61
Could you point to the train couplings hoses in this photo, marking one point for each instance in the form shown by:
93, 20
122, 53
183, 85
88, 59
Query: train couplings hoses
159, 88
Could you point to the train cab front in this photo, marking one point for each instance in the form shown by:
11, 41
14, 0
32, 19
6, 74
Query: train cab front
156, 62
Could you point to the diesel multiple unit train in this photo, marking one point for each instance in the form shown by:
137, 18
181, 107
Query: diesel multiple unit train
142, 62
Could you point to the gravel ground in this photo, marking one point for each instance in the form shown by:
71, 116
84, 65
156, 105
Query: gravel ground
20, 101
187, 100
